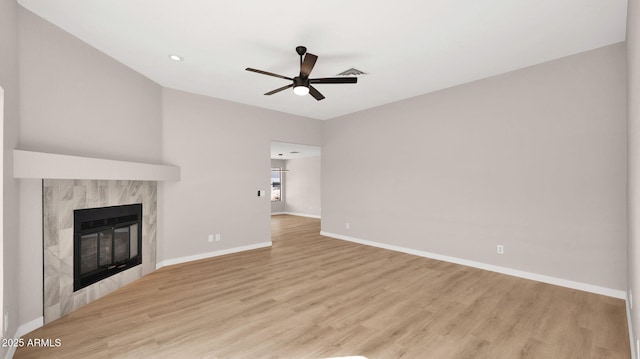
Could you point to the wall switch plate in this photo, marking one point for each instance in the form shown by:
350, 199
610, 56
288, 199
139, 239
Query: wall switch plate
347, 225
217, 237
500, 249
6, 322
211, 238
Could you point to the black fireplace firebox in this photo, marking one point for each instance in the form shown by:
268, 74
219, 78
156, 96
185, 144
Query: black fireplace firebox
106, 241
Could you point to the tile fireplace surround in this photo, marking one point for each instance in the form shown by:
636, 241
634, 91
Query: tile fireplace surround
60, 198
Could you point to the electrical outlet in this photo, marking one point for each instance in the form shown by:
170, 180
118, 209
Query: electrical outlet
347, 225
500, 249
211, 238
218, 237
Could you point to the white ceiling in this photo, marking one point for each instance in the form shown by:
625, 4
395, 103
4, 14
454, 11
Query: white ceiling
408, 47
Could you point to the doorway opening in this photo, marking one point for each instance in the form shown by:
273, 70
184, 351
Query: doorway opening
295, 179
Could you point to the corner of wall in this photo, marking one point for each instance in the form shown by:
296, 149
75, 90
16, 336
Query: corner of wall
632, 341
633, 170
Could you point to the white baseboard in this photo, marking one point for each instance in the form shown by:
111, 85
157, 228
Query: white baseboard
22, 330
504, 270
223, 252
297, 214
632, 340
303, 215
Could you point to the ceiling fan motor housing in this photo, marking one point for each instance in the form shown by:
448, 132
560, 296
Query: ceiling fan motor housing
299, 81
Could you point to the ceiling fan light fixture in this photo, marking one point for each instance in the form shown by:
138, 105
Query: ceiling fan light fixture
301, 90
300, 86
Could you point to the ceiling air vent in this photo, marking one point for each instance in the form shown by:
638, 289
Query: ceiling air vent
352, 72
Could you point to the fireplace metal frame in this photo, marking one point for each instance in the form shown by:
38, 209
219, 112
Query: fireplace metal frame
93, 220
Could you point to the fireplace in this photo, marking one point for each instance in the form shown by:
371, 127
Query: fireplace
61, 198
107, 241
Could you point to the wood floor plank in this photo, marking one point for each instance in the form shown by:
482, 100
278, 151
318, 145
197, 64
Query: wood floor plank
310, 296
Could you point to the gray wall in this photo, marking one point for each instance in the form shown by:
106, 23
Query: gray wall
533, 159
223, 150
303, 186
10, 207
633, 94
68, 90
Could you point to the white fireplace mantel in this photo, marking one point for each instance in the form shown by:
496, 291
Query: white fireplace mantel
29, 164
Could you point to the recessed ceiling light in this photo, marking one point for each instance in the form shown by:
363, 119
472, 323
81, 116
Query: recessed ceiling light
176, 57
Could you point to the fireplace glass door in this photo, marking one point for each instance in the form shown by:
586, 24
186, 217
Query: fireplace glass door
88, 252
108, 240
108, 248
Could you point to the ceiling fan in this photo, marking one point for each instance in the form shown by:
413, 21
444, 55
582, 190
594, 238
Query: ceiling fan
302, 83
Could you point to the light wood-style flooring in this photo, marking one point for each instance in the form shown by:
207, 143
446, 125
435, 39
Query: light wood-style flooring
315, 297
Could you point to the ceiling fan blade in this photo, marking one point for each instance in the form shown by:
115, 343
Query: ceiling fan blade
279, 89
307, 64
268, 73
334, 80
315, 93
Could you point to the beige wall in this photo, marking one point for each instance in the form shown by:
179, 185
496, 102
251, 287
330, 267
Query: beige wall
223, 150
303, 186
633, 86
10, 207
78, 101
533, 159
